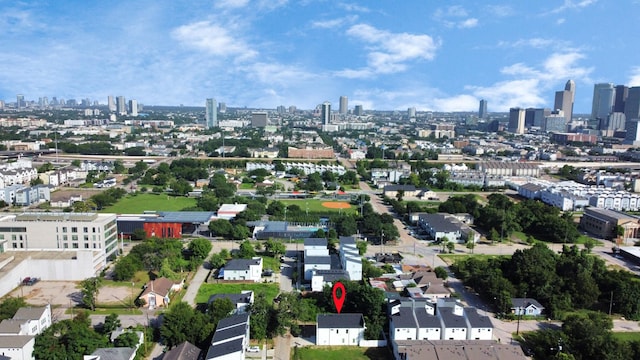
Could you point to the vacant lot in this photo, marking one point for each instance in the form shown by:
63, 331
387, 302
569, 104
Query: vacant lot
138, 203
68, 293
316, 205
206, 290
341, 353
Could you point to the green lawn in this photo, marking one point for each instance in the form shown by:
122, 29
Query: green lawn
315, 205
627, 336
206, 290
269, 262
452, 258
341, 353
138, 203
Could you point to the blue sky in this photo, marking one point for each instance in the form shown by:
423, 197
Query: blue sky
386, 55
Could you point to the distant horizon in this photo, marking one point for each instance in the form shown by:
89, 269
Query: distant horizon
265, 53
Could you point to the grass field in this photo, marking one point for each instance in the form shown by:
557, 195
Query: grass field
138, 203
627, 336
206, 290
341, 353
452, 258
315, 205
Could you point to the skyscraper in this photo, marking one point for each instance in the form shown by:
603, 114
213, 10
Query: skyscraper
20, 103
411, 112
482, 112
516, 120
222, 108
111, 103
622, 92
358, 111
564, 100
633, 130
343, 105
133, 107
326, 113
632, 105
603, 98
211, 114
121, 105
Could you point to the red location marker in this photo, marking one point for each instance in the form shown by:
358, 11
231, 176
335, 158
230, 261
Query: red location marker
338, 301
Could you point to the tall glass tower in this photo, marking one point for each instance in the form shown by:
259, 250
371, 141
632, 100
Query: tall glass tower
211, 114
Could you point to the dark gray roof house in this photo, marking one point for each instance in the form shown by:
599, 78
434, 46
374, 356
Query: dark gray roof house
233, 320
226, 348
226, 334
315, 242
450, 319
184, 351
334, 321
235, 298
241, 264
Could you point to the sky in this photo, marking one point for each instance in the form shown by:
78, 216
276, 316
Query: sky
383, 55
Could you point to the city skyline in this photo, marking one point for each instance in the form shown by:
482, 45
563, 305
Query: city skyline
268, 53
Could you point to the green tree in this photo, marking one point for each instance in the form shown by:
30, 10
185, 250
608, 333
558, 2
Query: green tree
219, 309
111, 323
9, 306
221, 227
274, 247
90, 288
362, 247
126, 339
451, 246
200, 248
182, 323
441, 272
261, 312
246, 250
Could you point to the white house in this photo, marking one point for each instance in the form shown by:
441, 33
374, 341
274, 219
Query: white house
230, 338
37, 318
526, 306
439, 226
243, 269
480, 327
321, 278
315, 247
241, 301
314, 263
339, 329
350, 258
414, 320
17, 347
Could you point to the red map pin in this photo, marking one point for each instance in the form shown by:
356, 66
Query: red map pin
338, 301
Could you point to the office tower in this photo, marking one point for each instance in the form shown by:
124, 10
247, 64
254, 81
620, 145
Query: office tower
61, 102
411, 112
20, 103
632, 105
111, 103
603, 98
343, 105
516, 121
292, 109
121, 105
564, 100
54, 101
222, 108
633, 130
210, 114
555, 122
358, 110
615, 121
622, 92
535, 117
2, 104
45, 101
281, 109
326, 113
133, 107
482, 111
259, 119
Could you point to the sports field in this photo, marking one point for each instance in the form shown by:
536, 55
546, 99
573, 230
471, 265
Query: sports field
318, 205
138, 203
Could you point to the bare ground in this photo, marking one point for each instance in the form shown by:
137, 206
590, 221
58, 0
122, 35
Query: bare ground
67, 294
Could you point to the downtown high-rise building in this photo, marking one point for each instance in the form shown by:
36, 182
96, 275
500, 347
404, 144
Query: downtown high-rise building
564, 100
603, 99
622, 92
632, 105
344, 105
20, 103
326, 113
222, 108
358, 110
133, 107
516, 120
411, 113
482, 111
534, 117
111, 103
121, 105
211, 114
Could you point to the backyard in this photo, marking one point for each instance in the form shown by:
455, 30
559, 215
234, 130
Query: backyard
340, 353
206, 290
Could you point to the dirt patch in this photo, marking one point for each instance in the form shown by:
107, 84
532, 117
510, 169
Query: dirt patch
336, 205
68, 293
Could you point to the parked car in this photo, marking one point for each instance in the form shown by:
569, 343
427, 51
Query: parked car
253, 349
32, 281
26, 280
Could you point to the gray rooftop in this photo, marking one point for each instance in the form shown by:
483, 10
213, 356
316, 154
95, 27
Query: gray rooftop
524, 302
240, 264
235, 298
225, 348
30, 313
233, 320
14, 341
118, 353
223, 335
342, 321
332, 275
476, 320
404, 318
317, 259
451, 320
184, 351
345, 240
315, 242
11, 326
439, 222
427, 321
191, 217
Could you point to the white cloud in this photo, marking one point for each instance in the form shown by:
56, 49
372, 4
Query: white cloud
456, 103
560, 21
334, 23
539, 43
390, 52
212, 38
573, 5
354, 7
634, 77
500, 10
451, 11
469, 23
231, 4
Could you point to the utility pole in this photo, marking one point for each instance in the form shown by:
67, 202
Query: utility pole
611, 303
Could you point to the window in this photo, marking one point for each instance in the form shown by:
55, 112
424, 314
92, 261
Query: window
85, 229
66, 245
86, 246
65, 237
74, 237
74, 245
74, 229
64, 229
86, 237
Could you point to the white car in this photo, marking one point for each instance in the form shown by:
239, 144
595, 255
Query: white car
253, 349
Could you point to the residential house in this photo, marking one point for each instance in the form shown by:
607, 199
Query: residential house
27, 321
454, 227
350, 258
320, 278
480, 327
315, 263
157, 292
456, 350
17, 347
184, 351
241, 301
230, 338
414, 320
455, 325
243, 269
526, 306
117, 353
339, 329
